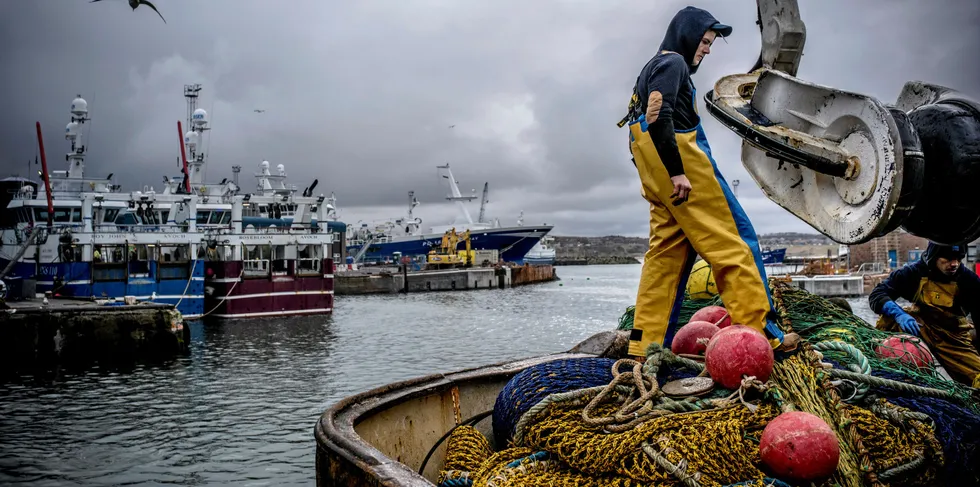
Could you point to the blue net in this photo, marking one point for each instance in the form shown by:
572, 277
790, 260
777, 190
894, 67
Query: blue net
535, 383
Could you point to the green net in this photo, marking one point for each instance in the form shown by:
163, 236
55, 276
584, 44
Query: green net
688, 308
817, 319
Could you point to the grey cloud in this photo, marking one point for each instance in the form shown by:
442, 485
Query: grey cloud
361, 94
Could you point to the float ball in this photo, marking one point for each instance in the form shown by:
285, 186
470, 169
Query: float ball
906, 348
689, 338
799, 446
736, 351
713, 314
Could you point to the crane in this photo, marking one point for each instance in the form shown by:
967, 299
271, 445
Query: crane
850, 166
483, 202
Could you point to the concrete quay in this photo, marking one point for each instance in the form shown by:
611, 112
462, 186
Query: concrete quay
68, 332
389, 280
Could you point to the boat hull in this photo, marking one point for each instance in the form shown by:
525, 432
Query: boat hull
178, 285
512, 242
230, 293
774, 256
381, 437
539, 260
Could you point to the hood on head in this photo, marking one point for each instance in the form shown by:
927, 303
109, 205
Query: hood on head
686, 30
934, 251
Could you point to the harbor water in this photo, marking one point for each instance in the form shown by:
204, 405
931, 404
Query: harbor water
240, 409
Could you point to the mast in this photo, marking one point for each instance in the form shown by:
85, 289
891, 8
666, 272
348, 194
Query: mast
73, 132
456, 195
412, 203
197, 120
483, 202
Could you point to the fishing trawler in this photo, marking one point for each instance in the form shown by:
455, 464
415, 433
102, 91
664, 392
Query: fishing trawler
191, 245
62, 236
382, 242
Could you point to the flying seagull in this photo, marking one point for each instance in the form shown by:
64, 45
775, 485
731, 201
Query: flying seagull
137, 3
258, 111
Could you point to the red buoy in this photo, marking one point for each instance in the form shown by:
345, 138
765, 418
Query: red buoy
799, 446
693, 337
906, 348
713, 314
736, 351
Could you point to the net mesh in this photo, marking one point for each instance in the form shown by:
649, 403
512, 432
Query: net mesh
896, 423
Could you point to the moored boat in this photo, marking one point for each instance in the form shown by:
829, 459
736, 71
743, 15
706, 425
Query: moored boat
385, 241
452, 429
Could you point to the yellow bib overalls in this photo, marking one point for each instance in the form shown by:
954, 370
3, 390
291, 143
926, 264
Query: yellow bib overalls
945, 332
711, 224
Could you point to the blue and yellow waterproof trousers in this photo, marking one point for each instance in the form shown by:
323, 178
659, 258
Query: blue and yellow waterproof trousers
710, 224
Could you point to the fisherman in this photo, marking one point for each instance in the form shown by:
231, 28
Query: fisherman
942, 293
692, 210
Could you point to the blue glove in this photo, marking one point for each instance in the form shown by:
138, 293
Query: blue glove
906, 322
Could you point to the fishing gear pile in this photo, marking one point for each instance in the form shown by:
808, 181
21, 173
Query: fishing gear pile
851, 406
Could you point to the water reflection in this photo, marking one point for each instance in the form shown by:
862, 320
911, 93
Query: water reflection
241, 407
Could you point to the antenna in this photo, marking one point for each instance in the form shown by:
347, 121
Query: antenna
191, 94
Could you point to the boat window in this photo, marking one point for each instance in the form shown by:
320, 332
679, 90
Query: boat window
127, 218
76, 215
25, 215
216, 217
202, 217
40, 214
226, 218
110, 215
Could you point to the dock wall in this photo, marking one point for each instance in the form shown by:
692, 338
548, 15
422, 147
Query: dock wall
532, 274
355, 283
36, 336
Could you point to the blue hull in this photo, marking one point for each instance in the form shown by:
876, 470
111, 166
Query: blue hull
774, 256
186, 292
513, 243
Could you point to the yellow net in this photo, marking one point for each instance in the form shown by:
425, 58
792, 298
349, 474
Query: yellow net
573, 441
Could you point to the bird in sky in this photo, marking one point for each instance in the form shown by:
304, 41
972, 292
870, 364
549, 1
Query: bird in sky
137, 3
259, 110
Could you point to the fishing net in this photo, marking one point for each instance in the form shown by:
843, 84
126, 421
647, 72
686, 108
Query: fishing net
600, 422
535, 383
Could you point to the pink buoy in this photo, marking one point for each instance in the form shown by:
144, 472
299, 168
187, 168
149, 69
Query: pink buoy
738, 351
799, 446
906, 348
693, 337
713, 314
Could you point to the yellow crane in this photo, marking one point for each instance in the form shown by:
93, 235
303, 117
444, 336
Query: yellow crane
447, 254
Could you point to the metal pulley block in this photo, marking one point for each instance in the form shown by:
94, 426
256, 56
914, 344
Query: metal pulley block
850, 166
842, 162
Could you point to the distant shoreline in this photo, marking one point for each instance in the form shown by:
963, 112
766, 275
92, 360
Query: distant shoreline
608, 260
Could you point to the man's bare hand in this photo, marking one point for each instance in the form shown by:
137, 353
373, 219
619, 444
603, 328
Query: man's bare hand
682, 188
790, 342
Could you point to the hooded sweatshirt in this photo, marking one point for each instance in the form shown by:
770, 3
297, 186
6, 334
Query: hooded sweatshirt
664, 90
904, 282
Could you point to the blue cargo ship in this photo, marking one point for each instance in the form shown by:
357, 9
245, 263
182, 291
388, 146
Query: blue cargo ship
384, 241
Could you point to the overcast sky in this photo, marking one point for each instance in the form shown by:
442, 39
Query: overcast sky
361, 94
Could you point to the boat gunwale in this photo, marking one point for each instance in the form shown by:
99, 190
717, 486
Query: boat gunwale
335, 431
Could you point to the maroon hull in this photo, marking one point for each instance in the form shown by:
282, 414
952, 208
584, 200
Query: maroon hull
231, 293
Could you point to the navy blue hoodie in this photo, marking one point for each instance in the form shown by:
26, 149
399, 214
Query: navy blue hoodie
904, 282
670, 74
